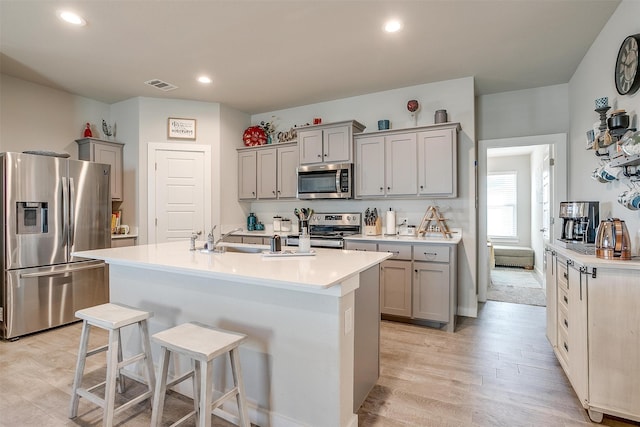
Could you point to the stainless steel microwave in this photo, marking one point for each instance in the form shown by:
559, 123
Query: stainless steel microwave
326, 181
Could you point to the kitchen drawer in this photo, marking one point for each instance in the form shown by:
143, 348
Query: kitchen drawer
563, 299
360, 246
563, 344
431, 253
562, 276
563, 317
398, 251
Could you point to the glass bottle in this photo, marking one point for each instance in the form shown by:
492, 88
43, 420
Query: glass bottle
251, 221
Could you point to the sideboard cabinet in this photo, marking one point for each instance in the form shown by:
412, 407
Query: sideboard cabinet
594, 329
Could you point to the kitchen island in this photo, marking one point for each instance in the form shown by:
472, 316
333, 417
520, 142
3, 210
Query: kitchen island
300, 315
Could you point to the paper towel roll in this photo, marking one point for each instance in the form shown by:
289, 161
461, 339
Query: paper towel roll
390, 224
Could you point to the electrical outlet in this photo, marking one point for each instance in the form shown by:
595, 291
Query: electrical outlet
403, 220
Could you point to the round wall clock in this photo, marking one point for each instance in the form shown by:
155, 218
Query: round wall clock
627, 73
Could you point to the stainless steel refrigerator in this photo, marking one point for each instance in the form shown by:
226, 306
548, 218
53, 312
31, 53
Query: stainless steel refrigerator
51, 207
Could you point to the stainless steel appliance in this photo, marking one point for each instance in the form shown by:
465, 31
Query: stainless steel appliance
613, 240
327, 181
50, 207
579, 221
327, 230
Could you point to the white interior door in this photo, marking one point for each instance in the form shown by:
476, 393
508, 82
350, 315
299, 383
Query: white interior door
179, 191
547, 219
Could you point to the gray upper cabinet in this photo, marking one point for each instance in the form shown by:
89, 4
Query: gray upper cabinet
437, 163
267, 172
247, 175
330, 143
108, 152
420, 162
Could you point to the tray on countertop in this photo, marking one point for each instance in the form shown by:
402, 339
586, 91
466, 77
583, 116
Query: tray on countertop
287, 253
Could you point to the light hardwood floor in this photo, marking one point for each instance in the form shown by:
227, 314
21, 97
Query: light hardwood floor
496, 370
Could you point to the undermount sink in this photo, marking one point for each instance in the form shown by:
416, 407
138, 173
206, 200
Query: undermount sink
241, 249
244, 249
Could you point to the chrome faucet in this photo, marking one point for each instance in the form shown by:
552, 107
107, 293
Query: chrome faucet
222, 237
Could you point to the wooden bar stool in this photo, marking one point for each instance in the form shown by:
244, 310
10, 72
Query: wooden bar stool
201, 344
111, 317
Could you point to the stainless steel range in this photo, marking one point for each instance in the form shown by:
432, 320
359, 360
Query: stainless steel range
328, 229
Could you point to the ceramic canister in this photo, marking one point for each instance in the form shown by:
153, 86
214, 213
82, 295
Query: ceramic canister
441, 116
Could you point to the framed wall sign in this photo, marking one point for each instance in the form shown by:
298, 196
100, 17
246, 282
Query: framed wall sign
181, 128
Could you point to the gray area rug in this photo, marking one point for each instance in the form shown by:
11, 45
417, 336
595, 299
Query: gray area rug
516, 285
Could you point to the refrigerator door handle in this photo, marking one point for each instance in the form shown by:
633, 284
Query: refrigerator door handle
61, 272
65, 211
72, 211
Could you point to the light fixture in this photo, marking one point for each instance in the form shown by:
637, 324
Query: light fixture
72, 18
204, 79
392, 26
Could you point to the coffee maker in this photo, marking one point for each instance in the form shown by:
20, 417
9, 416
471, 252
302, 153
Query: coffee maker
579, 221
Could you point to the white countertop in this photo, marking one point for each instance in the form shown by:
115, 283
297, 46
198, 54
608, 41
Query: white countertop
593, 261
436, 238
327, 268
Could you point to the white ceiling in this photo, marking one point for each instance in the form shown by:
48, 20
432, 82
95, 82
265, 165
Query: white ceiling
267, 55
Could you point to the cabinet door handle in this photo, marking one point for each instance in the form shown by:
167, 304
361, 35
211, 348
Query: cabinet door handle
416, 270
319, 155
253, 193
394, 252
381, 188
388, 188
565, 275
430, 253
566, 347
422, 187
273, 192
566, 323
325, 155
566, 300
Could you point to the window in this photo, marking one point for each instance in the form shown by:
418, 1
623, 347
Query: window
502, 204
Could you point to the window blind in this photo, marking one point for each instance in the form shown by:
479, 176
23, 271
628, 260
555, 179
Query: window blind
502, 204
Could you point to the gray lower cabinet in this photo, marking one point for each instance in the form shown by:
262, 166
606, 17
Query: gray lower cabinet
233, 239
123, 242
431, 291
417, 282
395, 288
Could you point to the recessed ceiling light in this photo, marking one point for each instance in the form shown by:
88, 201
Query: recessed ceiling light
72, 18
204, 79
392, 26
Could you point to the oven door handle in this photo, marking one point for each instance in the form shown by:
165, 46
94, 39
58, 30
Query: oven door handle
60, 272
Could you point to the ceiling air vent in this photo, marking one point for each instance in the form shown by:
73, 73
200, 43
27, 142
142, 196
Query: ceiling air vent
159, 84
